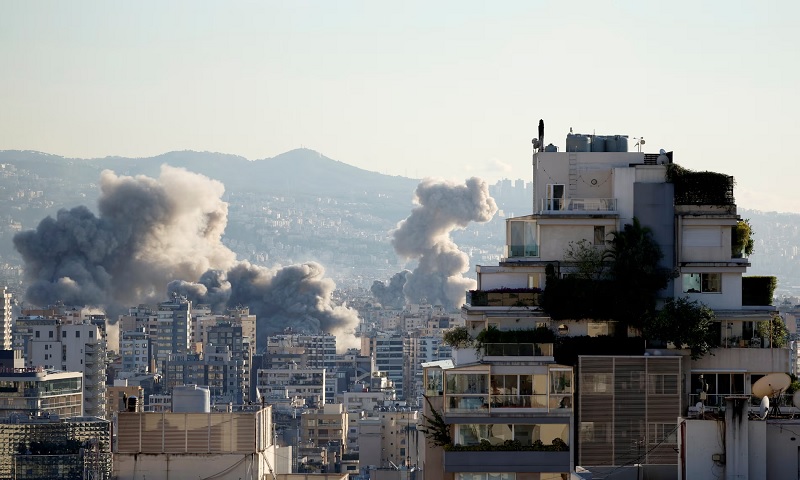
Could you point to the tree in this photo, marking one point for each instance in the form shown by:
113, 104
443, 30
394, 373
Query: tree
636, 272
588, 259
685, 323
436, 429
773, 330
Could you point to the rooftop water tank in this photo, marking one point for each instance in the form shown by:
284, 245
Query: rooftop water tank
550, 148
191, 399
578, 143
598, 143
622, 143
611, 143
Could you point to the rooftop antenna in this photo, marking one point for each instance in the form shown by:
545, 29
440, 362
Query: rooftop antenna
639, 142
772, 385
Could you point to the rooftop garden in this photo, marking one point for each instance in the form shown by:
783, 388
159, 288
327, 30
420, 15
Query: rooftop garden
700, 188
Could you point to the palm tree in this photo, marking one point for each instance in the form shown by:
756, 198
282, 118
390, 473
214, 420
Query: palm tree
635, 269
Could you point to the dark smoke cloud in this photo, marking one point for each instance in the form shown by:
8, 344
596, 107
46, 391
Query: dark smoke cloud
297, 297
425, 235
391, 295
150, 232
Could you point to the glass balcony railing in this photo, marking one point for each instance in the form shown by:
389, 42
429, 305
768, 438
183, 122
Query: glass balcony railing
578, 205
518, 349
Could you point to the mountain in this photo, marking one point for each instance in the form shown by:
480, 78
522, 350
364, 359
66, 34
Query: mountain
296, 171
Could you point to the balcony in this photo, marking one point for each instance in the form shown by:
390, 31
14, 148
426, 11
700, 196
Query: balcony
506, 461
509, 297
517, 350
578, 206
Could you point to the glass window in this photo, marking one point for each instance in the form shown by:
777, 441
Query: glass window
702, 282
555, 197
599, 235
467, 383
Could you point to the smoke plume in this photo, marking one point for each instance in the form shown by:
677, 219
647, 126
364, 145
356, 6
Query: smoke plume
152, 231
297, 297
425, 235
391, 295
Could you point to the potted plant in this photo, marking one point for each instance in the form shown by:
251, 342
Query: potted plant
742, 239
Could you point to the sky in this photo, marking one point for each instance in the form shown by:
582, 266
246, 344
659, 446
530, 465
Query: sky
416, 88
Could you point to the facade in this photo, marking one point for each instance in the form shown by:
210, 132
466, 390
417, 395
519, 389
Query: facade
6, 317
173, 331
136, 351
312, 350
76, 347
305, 384
35, 391
325, 427
387, 352
227, 445
515, 404
52, 447
389, 437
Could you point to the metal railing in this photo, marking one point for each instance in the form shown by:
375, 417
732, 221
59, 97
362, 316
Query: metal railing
578, 205
518, 349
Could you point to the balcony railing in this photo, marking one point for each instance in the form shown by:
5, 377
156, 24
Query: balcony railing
516, 298
578, 205
518, 349
473, 403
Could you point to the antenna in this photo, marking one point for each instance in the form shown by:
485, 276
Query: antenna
772, 385
764, 409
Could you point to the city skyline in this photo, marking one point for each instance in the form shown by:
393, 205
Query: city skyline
446, 90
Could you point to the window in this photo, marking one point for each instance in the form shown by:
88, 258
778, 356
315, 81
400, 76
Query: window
37, 333
63, 334
555, 197
702, 283
50, 334
662, 432
77, 334
599, 235
663, 384
91, 334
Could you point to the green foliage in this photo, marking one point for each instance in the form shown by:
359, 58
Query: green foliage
700, 188
758, 290
685, 323
567, 349
774, 330
742, 238
636, 273
587, 259
457, 337
436, 429
558, 445
495, 335
578, 298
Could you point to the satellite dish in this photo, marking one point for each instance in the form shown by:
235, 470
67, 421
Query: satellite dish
764, 410
771, 384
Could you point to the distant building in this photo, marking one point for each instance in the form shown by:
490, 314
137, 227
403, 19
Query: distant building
51, 447
6, 318
225, 446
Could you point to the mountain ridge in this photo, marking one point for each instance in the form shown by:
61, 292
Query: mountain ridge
284, 173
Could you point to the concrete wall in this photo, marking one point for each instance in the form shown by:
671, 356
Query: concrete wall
729, 299
755, 360
180, 467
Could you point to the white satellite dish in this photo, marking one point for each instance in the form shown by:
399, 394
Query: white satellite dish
764, 410
770, 385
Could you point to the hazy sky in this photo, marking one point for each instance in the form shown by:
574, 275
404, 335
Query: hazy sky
429, 88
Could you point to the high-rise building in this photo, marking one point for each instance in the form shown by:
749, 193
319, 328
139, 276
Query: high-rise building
173, 333
6, 317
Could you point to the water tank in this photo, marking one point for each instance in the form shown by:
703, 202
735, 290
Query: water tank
191, 399
578, 143
599, 143
550, 148
611, 143
622, 143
